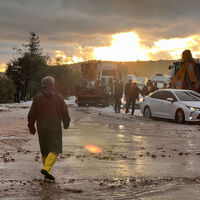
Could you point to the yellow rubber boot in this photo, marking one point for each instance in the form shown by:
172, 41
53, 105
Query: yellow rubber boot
50, 160
44, 160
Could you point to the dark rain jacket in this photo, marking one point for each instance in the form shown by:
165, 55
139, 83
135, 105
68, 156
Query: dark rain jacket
118, 90
153, 89
128, 90
48, 110
134, 93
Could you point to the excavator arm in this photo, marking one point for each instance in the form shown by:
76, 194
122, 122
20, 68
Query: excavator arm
186, 76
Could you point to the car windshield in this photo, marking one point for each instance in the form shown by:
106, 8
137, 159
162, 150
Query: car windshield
188, 96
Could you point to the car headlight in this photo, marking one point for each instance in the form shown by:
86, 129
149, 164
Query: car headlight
123, 101
141, 100
193, 108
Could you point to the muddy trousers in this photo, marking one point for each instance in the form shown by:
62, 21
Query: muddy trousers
130, 102
49, 161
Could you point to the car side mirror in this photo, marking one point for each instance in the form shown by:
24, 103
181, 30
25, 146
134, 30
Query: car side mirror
170, 100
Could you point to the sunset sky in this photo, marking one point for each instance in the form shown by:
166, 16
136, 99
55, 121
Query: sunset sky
118, 30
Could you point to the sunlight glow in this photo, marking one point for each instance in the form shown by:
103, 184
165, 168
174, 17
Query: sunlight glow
63, 59
175, 43
124, 47
128, 47
175, 46
93, 149
76, 59
2, 67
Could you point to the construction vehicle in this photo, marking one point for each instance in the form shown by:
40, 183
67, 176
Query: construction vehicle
96, 87
185, 74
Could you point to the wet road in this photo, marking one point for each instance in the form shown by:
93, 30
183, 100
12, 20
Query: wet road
106, 158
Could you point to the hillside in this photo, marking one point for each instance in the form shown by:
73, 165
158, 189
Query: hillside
149, 68
142, 68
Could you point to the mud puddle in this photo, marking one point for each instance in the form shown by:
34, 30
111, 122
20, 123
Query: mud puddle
106, 159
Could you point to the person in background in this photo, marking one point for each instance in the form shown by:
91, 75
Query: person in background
149, 86
134, 95
165, 85
154, 88
145, 91
48, 110
128, 91
118, 91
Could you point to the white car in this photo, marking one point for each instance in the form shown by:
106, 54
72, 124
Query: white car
180, 105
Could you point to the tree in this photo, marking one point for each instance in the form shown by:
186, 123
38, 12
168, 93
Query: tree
7, 90
28, 69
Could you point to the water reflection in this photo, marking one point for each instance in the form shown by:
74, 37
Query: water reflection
120, 135
121, 127
190, 145
138, 129
139, 139
123, 168
140, 165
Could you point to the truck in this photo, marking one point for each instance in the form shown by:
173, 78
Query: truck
185, 74
160, 79
97, 85
132, 77
141, 81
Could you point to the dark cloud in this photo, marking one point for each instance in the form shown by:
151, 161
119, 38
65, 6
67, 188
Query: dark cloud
71, 17
91, 22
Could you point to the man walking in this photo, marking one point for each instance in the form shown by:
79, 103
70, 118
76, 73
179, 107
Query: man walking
118, 91
134, 95
48, 110
127, 93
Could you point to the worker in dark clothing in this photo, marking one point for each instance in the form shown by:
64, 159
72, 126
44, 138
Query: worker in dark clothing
149, 87
154, 88
165, 85
48, 110
118, 91
134, 95
145, 91
128, 88
128, 92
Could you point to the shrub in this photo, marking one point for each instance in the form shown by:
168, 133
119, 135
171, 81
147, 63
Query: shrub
7, 90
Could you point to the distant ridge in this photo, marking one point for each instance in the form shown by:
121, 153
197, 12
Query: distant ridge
142, 68
149, 68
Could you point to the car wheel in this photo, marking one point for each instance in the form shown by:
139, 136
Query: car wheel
147, 112
180, 117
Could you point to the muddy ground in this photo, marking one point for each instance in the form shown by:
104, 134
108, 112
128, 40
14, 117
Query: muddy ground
137, 159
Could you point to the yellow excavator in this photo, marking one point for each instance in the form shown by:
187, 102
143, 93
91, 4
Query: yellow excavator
186, 73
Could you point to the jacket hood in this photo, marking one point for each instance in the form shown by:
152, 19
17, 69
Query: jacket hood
49, 92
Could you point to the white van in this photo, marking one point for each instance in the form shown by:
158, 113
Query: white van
160, 79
